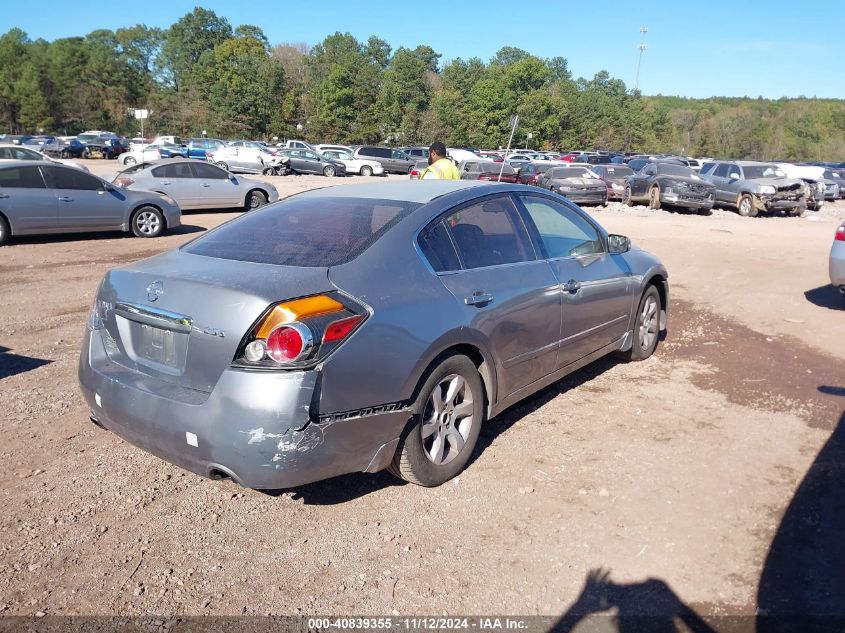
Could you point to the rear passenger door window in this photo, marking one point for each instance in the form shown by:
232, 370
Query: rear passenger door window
436, 244
490, 233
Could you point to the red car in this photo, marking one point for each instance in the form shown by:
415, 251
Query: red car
614, 177
487, 170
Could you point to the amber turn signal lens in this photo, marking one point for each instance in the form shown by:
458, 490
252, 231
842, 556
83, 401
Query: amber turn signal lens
291, 311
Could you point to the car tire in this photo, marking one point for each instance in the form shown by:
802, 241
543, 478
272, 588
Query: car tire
147, 222
745, 206
129, 160
800, 211
424, 460
268, 171
64, 154
366, 170
654, 198
4, 231
223, 165
627, 200
86, 154
255, 199
646, 326
410, 169
329, 171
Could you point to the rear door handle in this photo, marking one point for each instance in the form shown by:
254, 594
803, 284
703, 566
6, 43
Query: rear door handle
165, 182
478, 298
65, 199
204, 184
4, 195
571, 286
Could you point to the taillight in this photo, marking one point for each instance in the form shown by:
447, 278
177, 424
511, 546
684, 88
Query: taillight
298, 333
415, 173
209, 155
124, 181
840, 234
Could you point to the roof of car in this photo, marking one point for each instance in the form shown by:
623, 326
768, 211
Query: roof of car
420, 191
746, 163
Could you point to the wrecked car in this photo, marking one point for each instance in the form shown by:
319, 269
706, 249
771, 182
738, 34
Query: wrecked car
668, 183
753, 187
579, 184
813, 178
361, 327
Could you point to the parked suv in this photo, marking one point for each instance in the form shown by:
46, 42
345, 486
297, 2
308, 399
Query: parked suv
393, 160
751, 187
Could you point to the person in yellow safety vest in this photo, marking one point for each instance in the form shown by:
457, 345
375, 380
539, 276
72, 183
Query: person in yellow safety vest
439, 167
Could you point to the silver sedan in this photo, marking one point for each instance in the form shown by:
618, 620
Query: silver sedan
44, 197
197, 185
837, 259
361, 327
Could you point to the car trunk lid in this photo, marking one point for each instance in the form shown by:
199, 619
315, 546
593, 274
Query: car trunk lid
180, 317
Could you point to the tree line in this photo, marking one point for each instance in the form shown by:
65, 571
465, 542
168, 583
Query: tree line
203, 74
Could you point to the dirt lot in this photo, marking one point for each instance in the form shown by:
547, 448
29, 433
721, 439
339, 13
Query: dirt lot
675, 474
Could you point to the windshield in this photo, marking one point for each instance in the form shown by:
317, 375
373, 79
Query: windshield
490, 167
309, 232
616, 171
668, 169
762, 171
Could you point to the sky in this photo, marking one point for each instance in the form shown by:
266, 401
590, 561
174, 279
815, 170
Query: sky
699, 49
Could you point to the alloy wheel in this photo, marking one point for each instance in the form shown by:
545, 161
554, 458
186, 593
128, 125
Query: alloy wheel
148, 223
447, 420
648, 323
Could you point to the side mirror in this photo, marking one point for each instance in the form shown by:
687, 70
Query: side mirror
618, 244
734, 176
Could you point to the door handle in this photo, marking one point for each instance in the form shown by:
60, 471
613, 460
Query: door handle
165, 182
65, 199
205, 184
478, 298
4, 195
571, 286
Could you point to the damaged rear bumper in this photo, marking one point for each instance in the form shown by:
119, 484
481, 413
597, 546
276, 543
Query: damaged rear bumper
255, 427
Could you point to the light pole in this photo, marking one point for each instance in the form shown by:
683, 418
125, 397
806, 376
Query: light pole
641, 47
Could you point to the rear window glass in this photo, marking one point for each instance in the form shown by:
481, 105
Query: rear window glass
307, 232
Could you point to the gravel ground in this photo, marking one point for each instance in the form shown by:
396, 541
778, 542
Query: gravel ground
675, 474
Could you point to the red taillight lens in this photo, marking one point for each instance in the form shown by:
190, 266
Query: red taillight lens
339, 329
415, 174
289, 343
124, 181
840, 234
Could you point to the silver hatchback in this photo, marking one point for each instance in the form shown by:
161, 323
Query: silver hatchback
362, 327
198, 185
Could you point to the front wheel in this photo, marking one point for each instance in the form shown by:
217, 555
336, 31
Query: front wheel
654, 198
626, 197
646, 325
268, 171
745, 206
448, 411
366, 170
255, 199
147, 222
329, 171
129, 160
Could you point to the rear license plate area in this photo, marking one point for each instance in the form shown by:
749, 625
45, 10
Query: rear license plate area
158, 345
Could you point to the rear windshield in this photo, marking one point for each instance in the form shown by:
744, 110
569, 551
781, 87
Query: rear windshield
308, 232
670, 169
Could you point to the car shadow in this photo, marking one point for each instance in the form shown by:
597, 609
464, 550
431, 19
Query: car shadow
58, 238
13, 364
339, 490
826, 297
802, 585
648, 606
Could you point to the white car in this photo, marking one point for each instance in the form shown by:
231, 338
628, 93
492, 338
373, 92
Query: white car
9, 152
353, 165
330, 148
139, 154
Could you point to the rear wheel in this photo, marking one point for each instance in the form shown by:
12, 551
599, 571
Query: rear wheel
329, 171
147, 222
444, 430
255, 199
366, 170
129, 160
654, 198
745, 206
4, 231
646, 325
